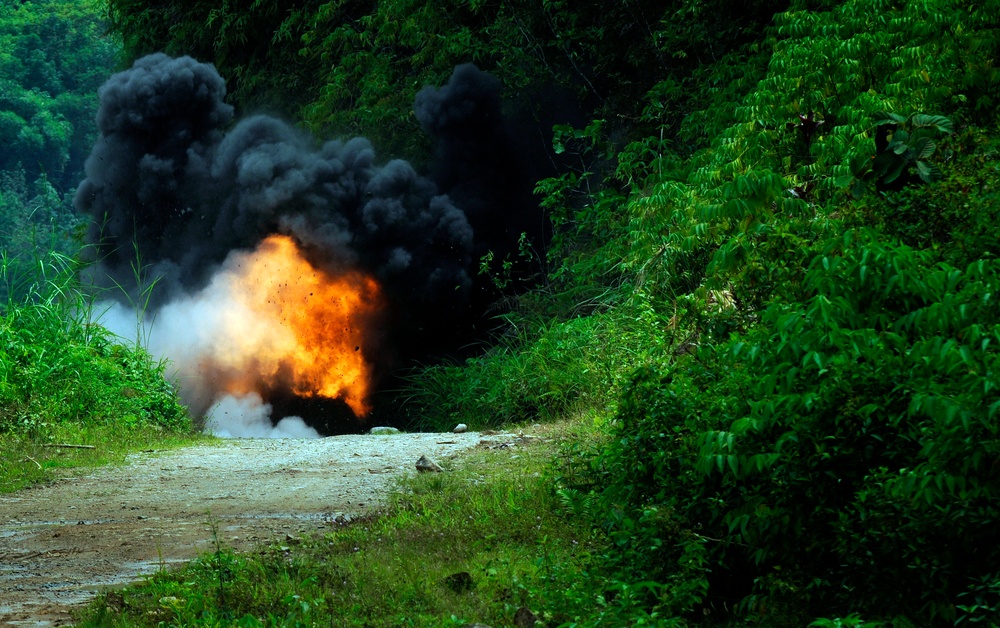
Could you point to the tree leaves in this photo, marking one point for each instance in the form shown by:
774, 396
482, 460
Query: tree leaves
56, 58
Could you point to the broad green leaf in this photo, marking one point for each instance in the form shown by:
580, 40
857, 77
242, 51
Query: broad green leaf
924, 148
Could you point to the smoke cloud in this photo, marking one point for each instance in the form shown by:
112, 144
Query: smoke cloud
481, 160
170, 185
177, 189
250, 417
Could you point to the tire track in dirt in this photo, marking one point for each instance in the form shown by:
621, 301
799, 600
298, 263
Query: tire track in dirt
60, 544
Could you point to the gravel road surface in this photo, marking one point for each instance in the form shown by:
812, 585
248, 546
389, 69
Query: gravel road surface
62, 543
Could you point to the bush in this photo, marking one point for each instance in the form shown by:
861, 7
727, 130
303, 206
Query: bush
957, 217
57, 368
841, 455
538, 375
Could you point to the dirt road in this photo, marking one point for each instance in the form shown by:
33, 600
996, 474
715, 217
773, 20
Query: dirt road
60, 544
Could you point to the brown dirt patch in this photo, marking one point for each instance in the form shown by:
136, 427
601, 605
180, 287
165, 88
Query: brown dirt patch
62, 543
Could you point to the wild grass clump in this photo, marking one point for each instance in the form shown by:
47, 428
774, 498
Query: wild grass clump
554, 370
64, 380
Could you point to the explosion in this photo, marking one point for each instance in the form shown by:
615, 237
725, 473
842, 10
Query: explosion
293, 326
374, 262
268, 328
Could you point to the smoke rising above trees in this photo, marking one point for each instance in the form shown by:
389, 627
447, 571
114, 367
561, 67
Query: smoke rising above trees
176, 184
171, 182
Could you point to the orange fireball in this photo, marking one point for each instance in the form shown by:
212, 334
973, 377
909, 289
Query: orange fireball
295, 327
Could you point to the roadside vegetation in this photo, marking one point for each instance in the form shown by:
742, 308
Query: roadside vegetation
767, 305
476, 543
71, 395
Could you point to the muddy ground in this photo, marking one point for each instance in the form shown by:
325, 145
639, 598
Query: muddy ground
62, 543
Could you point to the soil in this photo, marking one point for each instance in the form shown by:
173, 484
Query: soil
62, 543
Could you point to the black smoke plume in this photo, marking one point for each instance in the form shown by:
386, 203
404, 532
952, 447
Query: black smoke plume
484, 163
170, 182
175, 184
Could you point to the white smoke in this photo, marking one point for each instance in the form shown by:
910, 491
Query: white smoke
250, 417
196, 328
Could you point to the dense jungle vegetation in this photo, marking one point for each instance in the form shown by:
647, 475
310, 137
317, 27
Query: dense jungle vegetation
52, 60
769, 276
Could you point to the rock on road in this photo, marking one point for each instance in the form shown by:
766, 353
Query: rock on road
62, 543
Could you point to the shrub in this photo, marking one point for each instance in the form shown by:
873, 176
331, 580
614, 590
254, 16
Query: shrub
539, 375
56, 367
842, 454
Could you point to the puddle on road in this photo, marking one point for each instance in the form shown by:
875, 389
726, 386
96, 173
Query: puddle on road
68, 594
289, 516
10, 572
34, 623
11, 529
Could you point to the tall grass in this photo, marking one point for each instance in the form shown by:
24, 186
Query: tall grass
558, 367
65, 379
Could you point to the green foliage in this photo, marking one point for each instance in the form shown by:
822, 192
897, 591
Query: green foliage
788, 152
53, 57
841, 453
638, 488
587, 220
57, 368
957, 218
869, 431
33, 218
354, 66
579, 363
255, 44
832, 455
852, 621
910, 142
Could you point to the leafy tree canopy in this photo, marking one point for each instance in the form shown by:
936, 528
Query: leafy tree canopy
53, 57
354, 66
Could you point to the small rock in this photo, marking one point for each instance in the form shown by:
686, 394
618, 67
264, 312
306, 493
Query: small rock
524, 618
461, 428
425, 464
459, 582
383, 430
478, 625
